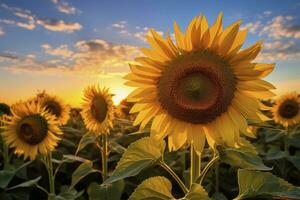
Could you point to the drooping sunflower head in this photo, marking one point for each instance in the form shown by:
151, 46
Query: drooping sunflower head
202, 85
4, 109
286, 110
97, 111
31, 130
55, 106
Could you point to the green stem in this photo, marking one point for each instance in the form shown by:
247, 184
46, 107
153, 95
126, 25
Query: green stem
206, 168
174, 175
286, 150
5, 148
217, 172
49, 166
104, 154
195, 170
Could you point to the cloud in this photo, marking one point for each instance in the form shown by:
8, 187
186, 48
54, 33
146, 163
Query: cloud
62, 50
253, 27
281, 27
280, 50
30, 21
120, 25
58, 25
65, 7
94, 56
267, 12
1, 32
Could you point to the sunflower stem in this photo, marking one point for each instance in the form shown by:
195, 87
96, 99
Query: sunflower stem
195, 170
49, 166
174, 175
286, 150
104, 154
217, 173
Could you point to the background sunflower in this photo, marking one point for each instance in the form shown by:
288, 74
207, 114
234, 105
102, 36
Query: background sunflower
54, 106
31, 130
286, 110
97, 110
203, 85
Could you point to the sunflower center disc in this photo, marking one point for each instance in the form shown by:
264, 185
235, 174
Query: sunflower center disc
32, 129
99, 108
54, 108
197, 87
289, 109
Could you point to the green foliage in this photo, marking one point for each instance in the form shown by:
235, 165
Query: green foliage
82, 171
111, 191
139, 155
154, 188
264, 184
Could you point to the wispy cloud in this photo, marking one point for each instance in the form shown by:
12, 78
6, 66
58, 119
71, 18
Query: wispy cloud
95, 56
31, 21
1, 32
65, 7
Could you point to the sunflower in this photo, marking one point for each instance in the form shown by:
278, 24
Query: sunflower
286, 110
31, 130
97, 109
54, 106
203, 85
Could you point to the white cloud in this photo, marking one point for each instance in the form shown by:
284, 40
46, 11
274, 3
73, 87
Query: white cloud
65, 7
253, 27
62, 50
30, 21
1, 32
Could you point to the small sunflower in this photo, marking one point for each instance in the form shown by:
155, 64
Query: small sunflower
55, 106
203, 85
31, 130
286, 110
97, 111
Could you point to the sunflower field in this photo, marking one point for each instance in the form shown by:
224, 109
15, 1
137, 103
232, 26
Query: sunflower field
200, 124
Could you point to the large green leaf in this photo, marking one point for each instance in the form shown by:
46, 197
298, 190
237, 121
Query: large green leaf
88, 138
245, 157
111, 191
264, 184
154, 188
196, 192
68, 194
82, 171
7, 174
29, 183
138, 156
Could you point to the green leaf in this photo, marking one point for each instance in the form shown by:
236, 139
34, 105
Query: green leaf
245, 157
275, 153
154, 188
5, 177
86, 139
264, 184
138, 156
196, 192
7, 174
107, 191
82, 171
68, 194
26, 183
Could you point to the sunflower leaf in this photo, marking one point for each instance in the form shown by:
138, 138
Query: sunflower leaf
86, 139
106, 192
138, 156
264, 184
26, 183
196, 192
155, 188
245, 157
82, 171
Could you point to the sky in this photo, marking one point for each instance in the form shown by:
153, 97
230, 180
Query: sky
63, 46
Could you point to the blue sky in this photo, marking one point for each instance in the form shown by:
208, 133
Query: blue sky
64, 45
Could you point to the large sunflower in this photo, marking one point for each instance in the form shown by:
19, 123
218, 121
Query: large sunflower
286, 110
97, 111
31, 130
202, 86
55, 106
